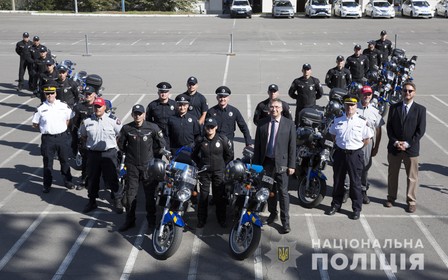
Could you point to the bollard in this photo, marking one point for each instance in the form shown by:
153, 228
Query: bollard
231, 53
87, 46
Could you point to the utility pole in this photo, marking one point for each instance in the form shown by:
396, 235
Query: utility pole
13, 2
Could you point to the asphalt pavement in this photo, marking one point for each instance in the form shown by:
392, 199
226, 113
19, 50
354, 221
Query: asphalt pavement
46, 236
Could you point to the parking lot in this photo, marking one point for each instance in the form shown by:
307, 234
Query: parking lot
46, 236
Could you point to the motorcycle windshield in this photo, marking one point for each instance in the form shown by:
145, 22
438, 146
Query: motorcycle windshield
187, 177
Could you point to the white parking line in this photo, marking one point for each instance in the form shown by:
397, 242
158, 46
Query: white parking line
136, 42
440, 100
19, 188
313, 234
21, 149
435, 143
8, 256
71, 254
134, 252
18, 107
194, 260
435, 117
79, 41
130, 111
387, 269
9, 96
258, 264
431, 239
16, 127
249, 113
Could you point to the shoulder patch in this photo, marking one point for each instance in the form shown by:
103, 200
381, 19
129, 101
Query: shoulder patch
362, 117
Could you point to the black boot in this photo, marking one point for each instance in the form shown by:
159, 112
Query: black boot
90, 206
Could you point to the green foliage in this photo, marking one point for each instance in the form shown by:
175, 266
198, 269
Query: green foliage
100, 5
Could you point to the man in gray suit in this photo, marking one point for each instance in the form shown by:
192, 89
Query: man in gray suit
275, 149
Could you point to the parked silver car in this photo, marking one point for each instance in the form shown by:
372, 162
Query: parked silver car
381, 8
317, 8
416, 8
282, 8
442, 8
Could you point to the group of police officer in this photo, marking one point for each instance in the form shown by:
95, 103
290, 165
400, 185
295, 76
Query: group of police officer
171, 124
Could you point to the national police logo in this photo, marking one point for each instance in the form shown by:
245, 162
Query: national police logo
283, 254
145, 138
190, 108
171, 107
190, 119
311, 87
217, 145
230, 114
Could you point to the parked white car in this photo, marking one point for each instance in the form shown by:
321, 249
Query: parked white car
282, 8
442, 8
317, 8
416, 8
240, 8
347, 8
379, 8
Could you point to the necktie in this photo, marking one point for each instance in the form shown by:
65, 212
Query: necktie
405, 111
270, 151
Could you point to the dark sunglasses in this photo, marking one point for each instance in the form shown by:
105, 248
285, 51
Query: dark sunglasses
408, 90
50, 93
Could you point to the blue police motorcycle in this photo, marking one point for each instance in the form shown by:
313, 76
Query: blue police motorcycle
249, 190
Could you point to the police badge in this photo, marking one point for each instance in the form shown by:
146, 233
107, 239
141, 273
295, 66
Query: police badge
283, 254
230, 114
217, 144
190, 119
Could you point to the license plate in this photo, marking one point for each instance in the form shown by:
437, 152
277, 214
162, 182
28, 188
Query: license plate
328, 143
267, 179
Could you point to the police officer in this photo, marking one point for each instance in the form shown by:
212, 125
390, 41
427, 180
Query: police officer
183, 127
49, 75
228, 116
374, 121
339, 76
161, 109
215, 151
358, 64
100, 132
52, 118
306, 90
67, 89
82, 111
262, 110
31, 56
136, 141
40, 66
351, 133
198, 103
22, 48
374, 55
384, 45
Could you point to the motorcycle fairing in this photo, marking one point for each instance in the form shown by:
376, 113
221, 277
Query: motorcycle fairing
252, 218
257, 168
173, 216
317, 173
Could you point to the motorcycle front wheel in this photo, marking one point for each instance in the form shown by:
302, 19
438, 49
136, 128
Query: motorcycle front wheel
166, 245
383, 108
313, 196
244, 245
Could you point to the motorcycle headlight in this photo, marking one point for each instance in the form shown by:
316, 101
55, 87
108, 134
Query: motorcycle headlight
387, 87
183, 194
262, 194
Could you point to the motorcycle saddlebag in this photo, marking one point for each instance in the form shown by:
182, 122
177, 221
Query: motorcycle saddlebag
337, 94
310, 117
94, 81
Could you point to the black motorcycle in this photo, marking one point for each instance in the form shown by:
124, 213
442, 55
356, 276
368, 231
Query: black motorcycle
314, 147
249, 191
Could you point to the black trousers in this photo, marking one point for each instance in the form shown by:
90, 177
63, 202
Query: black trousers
215, 178
351, 163
102, 162
55, 145
135, 175
280, 191
23, 66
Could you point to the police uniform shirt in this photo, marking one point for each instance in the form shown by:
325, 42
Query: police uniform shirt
182, 130
159, 113
350, 132
101, 132
198, 104
227, 119
23, 47
371, 114
306, 91
338, 78
385, 47
358, 66
67, 92
52, 117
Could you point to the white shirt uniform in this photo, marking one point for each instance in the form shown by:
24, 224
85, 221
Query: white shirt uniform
350, 132
371, 114
101, 132
52, 117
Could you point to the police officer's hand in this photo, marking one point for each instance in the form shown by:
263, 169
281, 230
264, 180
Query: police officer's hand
291, 171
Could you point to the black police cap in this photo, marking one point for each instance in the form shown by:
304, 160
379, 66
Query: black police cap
306, 66
36, 38
339, 58
192, 81
223, 90
26, 34
183, 99
43, 49
163, 86
211, 122
273, 88
138, 108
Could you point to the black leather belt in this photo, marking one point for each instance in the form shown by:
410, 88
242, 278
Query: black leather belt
56, 135
102, 151
348, 151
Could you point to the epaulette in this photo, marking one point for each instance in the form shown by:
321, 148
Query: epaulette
112, 117
362, 117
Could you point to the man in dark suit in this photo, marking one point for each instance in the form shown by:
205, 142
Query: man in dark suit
275, 149
406, 125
